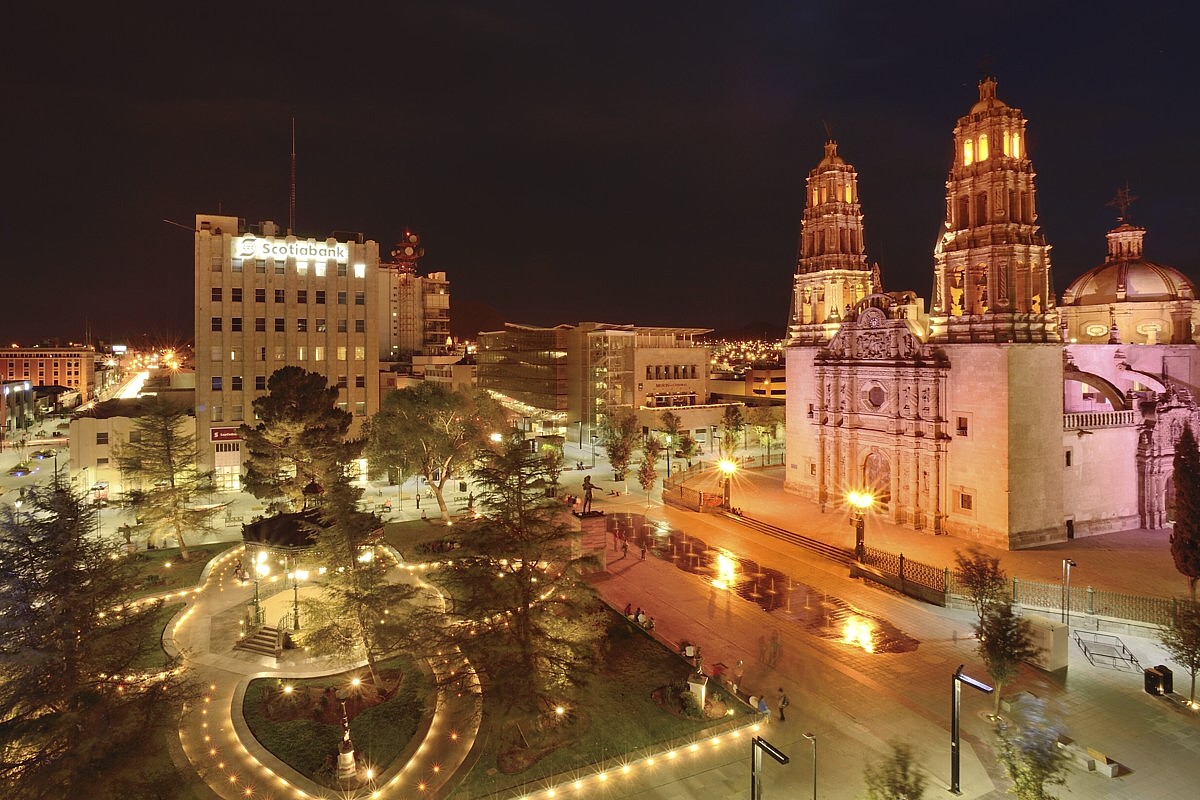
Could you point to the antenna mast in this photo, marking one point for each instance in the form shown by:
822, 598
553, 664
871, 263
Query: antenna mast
292, 192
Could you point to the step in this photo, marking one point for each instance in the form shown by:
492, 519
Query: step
262, 641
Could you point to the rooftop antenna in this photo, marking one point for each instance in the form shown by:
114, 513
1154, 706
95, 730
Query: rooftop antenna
828, 130
292, 192
1121, 202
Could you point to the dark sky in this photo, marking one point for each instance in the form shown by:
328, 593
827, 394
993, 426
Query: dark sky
620, 161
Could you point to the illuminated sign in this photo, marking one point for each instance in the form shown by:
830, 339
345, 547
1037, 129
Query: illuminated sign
311, 250
223, 434
119, 349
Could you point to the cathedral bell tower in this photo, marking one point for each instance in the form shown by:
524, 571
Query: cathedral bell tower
831, 268
992, 280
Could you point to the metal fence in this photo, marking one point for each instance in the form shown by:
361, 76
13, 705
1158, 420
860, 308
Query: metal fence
907, 569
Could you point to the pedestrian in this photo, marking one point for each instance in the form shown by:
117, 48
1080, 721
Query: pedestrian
784, 702
637, 615
775, 644
643, 551
763, 708
739, 670
624, 547
629, 610
616, 539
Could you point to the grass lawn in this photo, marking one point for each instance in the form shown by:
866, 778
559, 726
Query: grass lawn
622, 717
161, 570
155, 657
306, 735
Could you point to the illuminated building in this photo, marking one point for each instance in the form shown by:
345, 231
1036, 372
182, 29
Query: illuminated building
16, 410
977, 419
265, 300
418, 307
72, 367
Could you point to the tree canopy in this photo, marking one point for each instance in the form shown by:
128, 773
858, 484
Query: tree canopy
619, 435
1185, 537
981, 577
300, 439
1181, 637
732, 425
1004, 641
434, 431
85, 686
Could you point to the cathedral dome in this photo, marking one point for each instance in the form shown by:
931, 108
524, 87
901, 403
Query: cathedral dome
1126, 277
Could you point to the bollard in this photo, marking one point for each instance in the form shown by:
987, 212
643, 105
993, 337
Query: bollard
1091, 606
1015, 598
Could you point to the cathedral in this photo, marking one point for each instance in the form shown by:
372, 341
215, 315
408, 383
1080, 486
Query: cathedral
998, 414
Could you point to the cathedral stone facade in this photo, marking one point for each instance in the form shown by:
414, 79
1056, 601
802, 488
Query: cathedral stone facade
986, 418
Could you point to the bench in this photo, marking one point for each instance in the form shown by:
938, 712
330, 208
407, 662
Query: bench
1103, 763
1089, 758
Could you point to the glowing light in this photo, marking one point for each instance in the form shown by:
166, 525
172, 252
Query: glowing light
726, 572
858, 631
861, 500
727, 466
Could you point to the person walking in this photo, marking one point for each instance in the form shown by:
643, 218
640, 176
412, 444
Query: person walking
643, 551
624, 547
784, 702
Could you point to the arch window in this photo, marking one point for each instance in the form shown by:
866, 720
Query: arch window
983, 147
968, 152
1016, 145
848, 194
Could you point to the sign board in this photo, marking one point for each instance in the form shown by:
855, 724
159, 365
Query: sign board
310, 250
223, 434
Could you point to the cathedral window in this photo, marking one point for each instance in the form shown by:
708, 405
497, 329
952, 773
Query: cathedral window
983, 147
965, 501
816, 196
1016, 145
848, 194
964, 213
968, 152
962, 427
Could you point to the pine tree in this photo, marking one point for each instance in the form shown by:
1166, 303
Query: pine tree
85, 688
1185, 538
516, 597
162, 458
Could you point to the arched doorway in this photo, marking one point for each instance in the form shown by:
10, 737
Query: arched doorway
877, 477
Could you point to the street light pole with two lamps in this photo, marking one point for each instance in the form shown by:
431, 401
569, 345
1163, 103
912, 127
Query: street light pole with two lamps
727, 467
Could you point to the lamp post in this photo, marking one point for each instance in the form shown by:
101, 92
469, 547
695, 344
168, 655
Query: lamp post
812, 737
859, 503
593, 451
758, 746
261, 570
296, 577
1066, 591
668, 438
727, 468
958, 680
17, 504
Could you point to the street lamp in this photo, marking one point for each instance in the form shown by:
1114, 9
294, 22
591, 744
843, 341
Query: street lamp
261, 570
958, 680
1066, 591
593, 451
758, 746
727, 467
17, 504
859, 503
668, 438
812, 737
297, 576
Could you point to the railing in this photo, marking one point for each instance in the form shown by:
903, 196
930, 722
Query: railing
907, 569
281, 632
1099, 419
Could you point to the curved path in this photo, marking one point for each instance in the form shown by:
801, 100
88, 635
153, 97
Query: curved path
214, 736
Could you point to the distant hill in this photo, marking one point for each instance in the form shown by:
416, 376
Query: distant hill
753, 331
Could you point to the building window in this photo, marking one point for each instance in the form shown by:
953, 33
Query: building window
318, 353
216, 323
280, 297
962, 427
260, 266
237, 414
235, 383
360, 409
260, 383
216, 383
968, 152
983, 147
235, 324
302, 268
1068, 458
341, 353
360, 270
302, 295
302, 325
360, 353
341, 326
233, 355
301, 351
965, 501
320, 269
320, 297
360, 298
341, 298
320, 326
102, 437
218, 414
360, 381
260, 324
235, 294
260, 295
237, 265
341, 382
215, 352
216, 264
101, 462
280, 352
216, 294
262, 354
280, 267
360, 326
341, 270
279, 322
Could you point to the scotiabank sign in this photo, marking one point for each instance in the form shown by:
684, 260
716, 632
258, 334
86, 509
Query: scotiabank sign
223, 434
255, 247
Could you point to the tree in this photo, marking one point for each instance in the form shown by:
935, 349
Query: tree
897, 777
764, 421
732, 425
670, 424
300, 439
518, 604
552, 456
1185, 537
1181, 637
1005, 640
619, 435
385, 451
687, 448
1030, 751
436, 431
162, 457
85, 687
981, 576
361, 613
648, 473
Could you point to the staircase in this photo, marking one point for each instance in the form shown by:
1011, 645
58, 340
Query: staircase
264, 642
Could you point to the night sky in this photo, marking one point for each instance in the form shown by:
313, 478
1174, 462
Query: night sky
638, 162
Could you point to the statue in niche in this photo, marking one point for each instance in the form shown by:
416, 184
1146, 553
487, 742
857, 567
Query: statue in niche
844, 394
1035, 304
956, 294
925, 399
